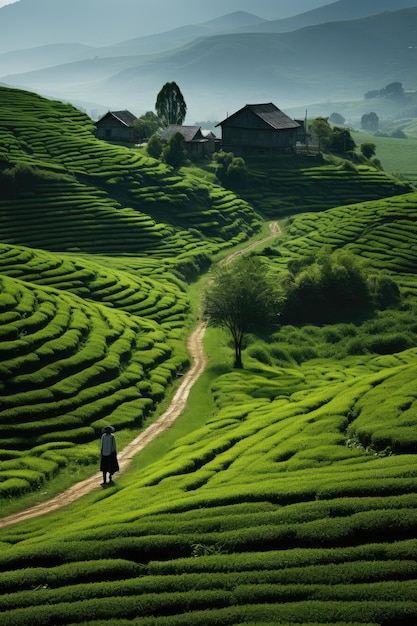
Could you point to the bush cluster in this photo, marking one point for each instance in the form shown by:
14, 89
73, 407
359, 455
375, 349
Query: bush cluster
335, 287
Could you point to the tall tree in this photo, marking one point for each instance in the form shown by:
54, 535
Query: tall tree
341, 140
170, 105
242, 298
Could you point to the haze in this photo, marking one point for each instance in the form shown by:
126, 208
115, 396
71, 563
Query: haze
161, 15
222, 54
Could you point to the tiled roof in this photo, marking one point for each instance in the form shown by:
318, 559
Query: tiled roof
126, 117
270, 114
188, 132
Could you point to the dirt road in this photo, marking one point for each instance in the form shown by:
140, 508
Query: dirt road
178, 403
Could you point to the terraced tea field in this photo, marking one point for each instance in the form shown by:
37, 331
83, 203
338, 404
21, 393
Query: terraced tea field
316, 186
67, 191
69, 365
263, 515
293, 499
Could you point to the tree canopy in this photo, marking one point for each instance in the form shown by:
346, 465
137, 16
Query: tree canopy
174, 152
369, 121
147, 124
333, 287
230, 170
368, 149
170, 105
242, 298
321, 130
341, 140
337, 118
154, 147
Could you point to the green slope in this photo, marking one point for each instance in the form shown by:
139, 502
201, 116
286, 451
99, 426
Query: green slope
65, 190
293, 503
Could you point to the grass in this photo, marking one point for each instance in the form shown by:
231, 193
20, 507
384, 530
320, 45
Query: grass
396, 155
286, 492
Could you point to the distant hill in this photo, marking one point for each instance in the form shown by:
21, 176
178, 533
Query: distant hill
336, 11
44, 56
331, 61
30, 23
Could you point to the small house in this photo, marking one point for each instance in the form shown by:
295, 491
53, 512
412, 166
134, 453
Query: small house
117, 126
197, 142
259, 129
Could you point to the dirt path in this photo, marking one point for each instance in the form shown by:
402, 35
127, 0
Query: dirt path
177, 406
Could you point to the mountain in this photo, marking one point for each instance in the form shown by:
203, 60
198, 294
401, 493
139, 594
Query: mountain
335, 60
40, 57
30, 23
336, 11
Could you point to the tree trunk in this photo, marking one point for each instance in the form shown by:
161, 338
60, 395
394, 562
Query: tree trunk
238, 356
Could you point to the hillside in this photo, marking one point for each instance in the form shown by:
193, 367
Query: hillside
110, 226
286, 493
62, 192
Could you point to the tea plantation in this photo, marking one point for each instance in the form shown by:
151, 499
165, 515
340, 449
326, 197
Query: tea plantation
294, 500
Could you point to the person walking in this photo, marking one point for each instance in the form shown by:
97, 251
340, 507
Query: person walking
108, 460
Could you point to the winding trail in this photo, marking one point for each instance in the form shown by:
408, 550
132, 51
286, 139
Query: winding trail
199, 362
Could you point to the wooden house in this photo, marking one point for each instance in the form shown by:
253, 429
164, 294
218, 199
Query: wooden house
259, 129
117, 126
197, 142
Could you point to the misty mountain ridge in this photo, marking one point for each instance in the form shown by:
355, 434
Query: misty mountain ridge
218, 74
103, 22
63, 23
337, 11
40, 57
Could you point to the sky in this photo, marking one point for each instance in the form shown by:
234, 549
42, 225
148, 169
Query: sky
283, 8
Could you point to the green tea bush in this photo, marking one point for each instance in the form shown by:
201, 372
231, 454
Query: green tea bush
70, 573
260, 353
10, 487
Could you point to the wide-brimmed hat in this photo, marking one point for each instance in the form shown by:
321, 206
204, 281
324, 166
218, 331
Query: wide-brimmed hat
108, 429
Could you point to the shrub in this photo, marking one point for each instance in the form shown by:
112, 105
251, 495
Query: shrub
236, 174
390, 343
154, 146
335, 287
368, 149
260, 353
384, 291
174, 152
14, 487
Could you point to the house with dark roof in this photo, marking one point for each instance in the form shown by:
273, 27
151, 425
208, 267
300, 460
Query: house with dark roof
260, 129
197, 142
117, 126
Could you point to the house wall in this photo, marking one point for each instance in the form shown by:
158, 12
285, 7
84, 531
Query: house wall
195, 148
206, 147
245, 133
244, 140
112, 131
